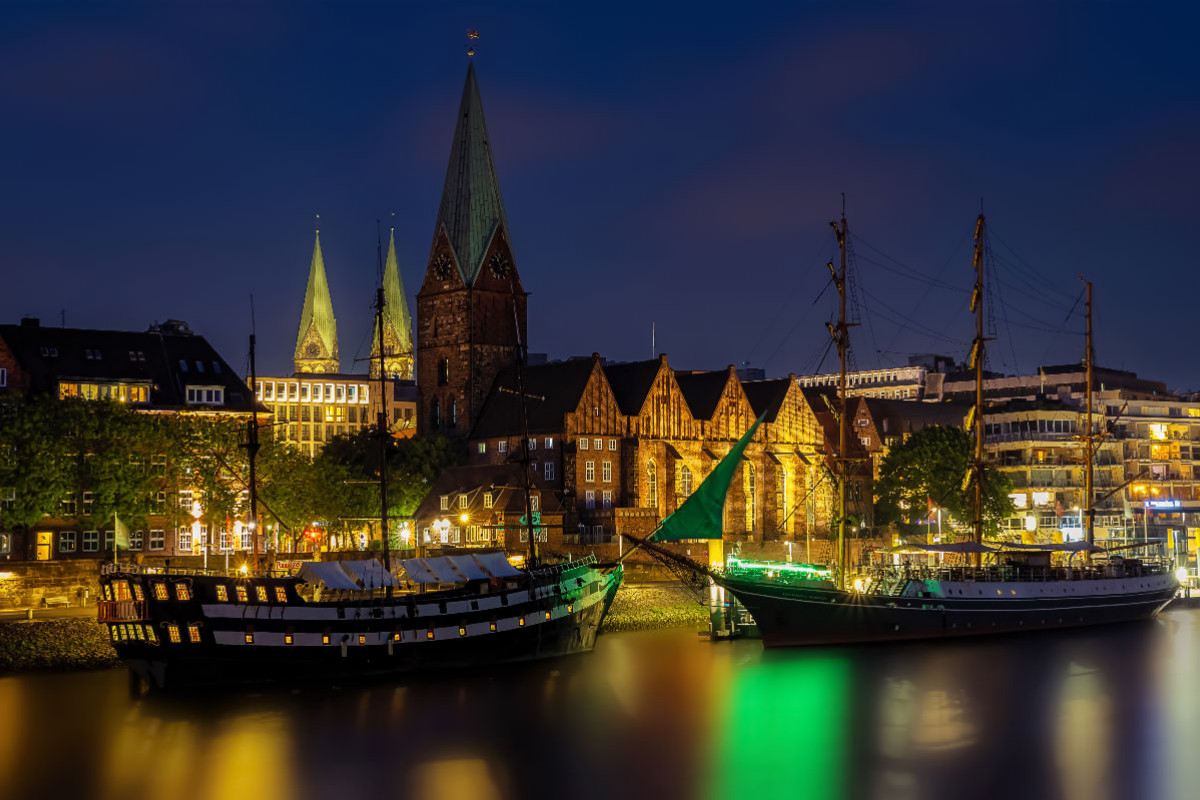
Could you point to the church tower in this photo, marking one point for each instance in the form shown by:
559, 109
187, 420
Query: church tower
471, 305
316, 342
397, 325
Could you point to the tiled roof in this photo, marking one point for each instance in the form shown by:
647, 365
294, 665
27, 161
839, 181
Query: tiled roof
552, 392
702, 391
767, 396
169, 356
504, 481
631, 383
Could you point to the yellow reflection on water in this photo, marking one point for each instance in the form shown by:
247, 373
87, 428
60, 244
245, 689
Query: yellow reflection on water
453, 779
1083, 736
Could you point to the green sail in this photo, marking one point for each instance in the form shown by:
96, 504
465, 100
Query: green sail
700, 516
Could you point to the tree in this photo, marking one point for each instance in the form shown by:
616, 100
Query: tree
929, 467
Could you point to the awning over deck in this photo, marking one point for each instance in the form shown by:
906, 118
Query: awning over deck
948, 547
370, 574
458, 568
328, 573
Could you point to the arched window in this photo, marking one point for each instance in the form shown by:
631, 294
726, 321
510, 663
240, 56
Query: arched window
435, 414
652, 484
685, 480
751, 496
443, 375
782, 502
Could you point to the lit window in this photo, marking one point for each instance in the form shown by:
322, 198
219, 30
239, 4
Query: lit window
488, 500
612, 444
606, 472
589, 499
445, 502
583, 444
182, 592
325, 636
589, 471
598, 444
160, 591
289, 637
260, 592
549, 443
362, 639
250, 635
482, 447
173, 633
521, 621
280, 594
242, 596
462, 501
222, 593
194, 634
549, 470
493, 625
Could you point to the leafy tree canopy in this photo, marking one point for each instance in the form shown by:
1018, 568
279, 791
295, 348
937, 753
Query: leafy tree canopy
929, 467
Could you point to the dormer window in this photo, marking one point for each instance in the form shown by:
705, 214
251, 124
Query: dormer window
216, 365
206, 395
50, 352
445, 504
199, 366
488, 500
182, 365
462, 501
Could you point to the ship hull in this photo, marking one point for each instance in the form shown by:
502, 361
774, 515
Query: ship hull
200, 643
798, 616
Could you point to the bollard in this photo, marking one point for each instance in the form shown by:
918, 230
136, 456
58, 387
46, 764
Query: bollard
29, 613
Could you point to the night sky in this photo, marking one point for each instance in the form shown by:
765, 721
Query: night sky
675, 165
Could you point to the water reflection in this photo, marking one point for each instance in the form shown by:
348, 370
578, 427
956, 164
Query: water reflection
1093, 714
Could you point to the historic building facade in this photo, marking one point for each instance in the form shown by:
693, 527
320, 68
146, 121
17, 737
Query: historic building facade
471, 306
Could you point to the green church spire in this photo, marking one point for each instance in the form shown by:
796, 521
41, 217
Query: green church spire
397, 325
471, 210
316, 342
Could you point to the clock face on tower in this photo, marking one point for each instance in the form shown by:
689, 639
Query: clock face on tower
499, 266
442, 266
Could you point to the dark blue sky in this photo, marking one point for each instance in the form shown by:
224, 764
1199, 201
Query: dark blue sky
674, 164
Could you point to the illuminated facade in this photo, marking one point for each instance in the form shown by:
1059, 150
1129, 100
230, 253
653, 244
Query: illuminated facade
165, 370
316, 341
309, 410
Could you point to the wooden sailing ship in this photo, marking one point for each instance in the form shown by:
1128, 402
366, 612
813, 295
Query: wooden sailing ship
1018, 589
341, 620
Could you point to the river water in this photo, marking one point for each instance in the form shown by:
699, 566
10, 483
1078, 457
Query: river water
1094, 714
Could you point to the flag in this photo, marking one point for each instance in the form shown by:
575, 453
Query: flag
121, 532
1058, 508
931, 507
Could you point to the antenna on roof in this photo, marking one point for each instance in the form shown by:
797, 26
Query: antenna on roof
471, 36
651, 340
317, 222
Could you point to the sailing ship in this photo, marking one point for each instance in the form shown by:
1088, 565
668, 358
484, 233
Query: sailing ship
339, 620
1018, 589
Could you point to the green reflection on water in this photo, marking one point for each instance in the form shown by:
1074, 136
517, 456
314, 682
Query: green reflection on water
784, 731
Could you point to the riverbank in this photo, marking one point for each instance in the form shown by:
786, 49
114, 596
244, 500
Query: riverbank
81, 643
652, 606
55, 644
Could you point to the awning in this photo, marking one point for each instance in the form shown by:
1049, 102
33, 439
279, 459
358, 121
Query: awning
467, 567
496, 565
1063, 547
949, 547
371, 574
329, 573
416, 571
442, 569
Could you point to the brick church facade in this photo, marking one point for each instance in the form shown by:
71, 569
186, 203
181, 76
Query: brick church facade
619, 445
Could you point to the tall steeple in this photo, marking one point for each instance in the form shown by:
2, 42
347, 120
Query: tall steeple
397, 325
471, 309
316, 342
471, 211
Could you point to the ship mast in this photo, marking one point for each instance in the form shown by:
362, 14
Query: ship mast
977, 363
252, 443
382, 424
841, 337
1089, 440
527, 479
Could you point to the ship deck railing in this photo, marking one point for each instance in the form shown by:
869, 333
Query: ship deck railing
898, 576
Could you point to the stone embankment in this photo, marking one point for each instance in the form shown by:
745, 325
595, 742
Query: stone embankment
78, 643
647, 606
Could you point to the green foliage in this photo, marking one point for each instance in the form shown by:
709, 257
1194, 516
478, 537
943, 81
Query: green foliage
930, 465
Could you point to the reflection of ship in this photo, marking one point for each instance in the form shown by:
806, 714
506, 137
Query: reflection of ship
176, 627
1020, 590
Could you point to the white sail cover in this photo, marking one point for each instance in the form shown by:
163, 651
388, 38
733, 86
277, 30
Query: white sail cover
442, 569
328, 573
496, 565
466, 566
417, 572
370, 574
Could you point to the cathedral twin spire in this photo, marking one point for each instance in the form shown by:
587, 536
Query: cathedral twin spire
316, 342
